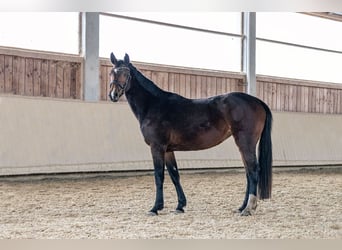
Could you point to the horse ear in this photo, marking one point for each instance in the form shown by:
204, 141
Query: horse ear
126, 59
113, 59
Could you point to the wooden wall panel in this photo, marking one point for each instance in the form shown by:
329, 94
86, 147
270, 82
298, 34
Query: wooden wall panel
37, 69
66, 82
300, 96
44, 74
2, 74
279, 93
104, 82
59, 81
44, 77
194, 85
18, 75
8, 74
52, 79
28, 87
174, 82
182, 85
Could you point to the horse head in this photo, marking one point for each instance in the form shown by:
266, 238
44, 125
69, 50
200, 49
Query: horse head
119, 77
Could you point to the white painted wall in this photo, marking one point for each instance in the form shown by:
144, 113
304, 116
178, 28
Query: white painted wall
40, 135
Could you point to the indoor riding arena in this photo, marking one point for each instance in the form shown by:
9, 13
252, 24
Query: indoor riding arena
75, 165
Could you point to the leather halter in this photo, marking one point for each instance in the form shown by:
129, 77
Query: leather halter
116, 82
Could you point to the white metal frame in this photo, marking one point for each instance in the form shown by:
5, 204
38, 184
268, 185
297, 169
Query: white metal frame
248, 51
90, 52
90, 48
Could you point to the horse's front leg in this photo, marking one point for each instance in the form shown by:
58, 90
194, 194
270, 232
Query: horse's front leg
172, 168
158, 156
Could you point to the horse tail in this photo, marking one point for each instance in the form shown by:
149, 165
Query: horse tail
265, 157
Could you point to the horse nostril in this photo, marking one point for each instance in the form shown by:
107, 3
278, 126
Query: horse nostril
112, 97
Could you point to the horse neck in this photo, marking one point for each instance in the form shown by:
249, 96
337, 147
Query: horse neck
151, 88
137, 99
141, 94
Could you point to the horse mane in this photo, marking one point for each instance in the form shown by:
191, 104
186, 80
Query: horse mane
146, 83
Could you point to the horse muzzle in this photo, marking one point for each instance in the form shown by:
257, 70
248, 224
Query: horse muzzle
114, 97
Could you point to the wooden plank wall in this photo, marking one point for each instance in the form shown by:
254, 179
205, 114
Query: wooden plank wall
300, 95
191, 83
281, 94
32, 73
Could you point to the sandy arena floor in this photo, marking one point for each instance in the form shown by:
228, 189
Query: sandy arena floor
306, 204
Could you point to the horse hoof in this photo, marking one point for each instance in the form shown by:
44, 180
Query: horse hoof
152, 213
179, 211
246, 213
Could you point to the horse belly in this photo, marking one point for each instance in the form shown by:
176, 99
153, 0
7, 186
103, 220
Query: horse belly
201, 139
210, 139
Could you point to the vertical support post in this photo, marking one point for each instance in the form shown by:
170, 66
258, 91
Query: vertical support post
249, 48
90, 53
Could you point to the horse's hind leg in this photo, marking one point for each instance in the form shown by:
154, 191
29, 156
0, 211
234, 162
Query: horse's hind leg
247, 147
244, 203
172, 168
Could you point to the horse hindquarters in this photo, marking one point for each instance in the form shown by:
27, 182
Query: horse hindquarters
253, 127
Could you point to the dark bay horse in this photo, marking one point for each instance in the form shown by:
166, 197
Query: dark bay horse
170, 122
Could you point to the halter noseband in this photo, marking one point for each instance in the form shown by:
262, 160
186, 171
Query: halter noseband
116, 82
